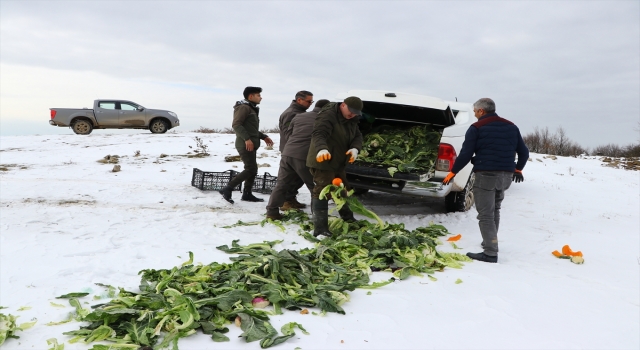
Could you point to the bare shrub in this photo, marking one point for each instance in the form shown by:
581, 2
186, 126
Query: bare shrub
204, 130
273, 130
608, 150
613, 150
632, 150
201, 148
546, 141
558, 143
573, 149
227, 131
562, 142
532, 140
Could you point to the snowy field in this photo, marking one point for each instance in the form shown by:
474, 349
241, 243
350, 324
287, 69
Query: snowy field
68, 222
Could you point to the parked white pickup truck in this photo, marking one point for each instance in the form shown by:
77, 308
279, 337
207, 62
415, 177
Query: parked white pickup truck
453, 118
114, 114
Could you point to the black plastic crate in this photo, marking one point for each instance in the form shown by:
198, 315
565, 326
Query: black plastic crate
264, 183
212, 180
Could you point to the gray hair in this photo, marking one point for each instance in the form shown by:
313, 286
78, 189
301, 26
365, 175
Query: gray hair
303, 94
485, 103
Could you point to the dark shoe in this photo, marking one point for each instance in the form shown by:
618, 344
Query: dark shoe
274, 214
483, 257
226, 194
288, 206
320, 217
248, 197
346, 214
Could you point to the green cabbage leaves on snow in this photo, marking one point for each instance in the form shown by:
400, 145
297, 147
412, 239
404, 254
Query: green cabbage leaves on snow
178, 302
9, 327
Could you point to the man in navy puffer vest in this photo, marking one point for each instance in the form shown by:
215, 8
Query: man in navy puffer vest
495, 142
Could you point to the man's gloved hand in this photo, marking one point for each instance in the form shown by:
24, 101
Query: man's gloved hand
323, 155
448, 178
517, 176
354, 155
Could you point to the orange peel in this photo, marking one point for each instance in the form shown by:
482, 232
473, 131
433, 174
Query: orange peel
566, 250
454, 238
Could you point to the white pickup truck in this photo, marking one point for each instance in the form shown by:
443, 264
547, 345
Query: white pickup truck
453, 118
114, 114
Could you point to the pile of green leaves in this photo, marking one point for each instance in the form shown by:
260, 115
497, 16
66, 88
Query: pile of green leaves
412, 149
9, 327
176, 303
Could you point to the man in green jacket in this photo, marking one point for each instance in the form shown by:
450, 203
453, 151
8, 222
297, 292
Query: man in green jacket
246, 124
336, 140
303, 100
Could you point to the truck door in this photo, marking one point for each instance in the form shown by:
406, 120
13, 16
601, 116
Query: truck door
130, 115
107, 114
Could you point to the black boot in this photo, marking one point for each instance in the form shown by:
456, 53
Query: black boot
320, 217
249, 197
483, 257
346, 214
226, 194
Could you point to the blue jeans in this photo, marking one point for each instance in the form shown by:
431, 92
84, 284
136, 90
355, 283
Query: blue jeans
488, 192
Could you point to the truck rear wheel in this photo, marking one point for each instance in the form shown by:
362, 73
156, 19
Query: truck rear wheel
82, 127
463, 200
158, 126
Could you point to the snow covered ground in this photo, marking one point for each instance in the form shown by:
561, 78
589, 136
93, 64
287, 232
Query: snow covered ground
68, 222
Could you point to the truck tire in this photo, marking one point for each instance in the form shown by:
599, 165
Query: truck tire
158, 126
82, 127
463, 200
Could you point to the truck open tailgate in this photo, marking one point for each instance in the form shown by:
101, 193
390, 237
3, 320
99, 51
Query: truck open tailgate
402, 107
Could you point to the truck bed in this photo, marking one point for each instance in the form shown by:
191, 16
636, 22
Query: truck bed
382, 173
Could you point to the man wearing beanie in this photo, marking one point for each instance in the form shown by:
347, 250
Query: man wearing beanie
302, 101
246, 124
336, 140
495, 141
294, 158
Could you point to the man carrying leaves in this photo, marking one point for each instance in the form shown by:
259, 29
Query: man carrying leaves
336, 140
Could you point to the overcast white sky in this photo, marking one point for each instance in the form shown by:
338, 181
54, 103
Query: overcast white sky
574, 64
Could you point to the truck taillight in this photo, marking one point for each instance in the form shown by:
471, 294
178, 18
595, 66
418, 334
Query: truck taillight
53, 113
446, 157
